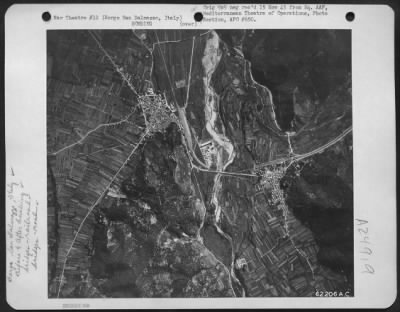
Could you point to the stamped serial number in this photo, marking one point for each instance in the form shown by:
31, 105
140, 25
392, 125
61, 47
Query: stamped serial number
320, 293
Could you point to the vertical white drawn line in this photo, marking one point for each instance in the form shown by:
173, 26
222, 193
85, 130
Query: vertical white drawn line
190, 74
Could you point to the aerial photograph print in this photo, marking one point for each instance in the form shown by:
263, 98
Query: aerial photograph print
199, 163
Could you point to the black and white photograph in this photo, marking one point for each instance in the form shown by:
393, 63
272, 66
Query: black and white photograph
204, 156
186, 163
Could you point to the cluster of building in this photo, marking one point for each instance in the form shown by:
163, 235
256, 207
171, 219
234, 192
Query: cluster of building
207, 149
159, 114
